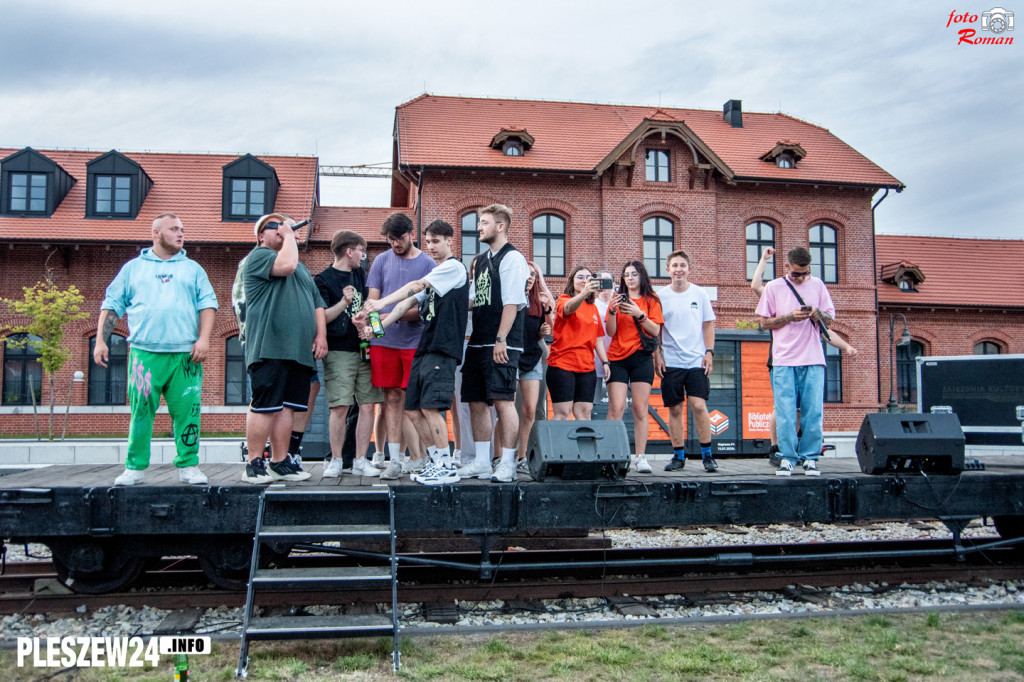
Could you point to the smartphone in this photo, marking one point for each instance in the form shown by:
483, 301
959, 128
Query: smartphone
605, 283
806, 308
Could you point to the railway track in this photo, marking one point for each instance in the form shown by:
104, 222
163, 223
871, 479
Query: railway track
696, 573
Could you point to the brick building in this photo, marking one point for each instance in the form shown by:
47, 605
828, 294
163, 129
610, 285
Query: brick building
954, 296
588, 183
600, 184
78, 216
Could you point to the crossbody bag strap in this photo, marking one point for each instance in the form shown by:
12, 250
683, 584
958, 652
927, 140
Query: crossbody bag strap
821, 328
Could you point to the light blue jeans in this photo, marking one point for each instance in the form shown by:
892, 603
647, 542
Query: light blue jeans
800, 388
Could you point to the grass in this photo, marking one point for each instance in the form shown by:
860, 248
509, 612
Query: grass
974, 646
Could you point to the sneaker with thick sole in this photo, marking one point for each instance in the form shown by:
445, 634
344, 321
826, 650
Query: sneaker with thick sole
256, 472
710, 465
379, 461
675, 464
130, 477
286, 471
333, 468
437, 474
393, 471
192, 475
505, 472
641, 464
414, 466
785, 468
811, 468
362, 467
476, 469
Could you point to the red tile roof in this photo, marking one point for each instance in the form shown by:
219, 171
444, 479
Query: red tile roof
958, 272
189, 185
573, 136
363, 221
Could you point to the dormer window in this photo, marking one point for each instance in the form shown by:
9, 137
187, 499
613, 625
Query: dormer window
32, 185
512, 147
117, 187
512, 141
250, 189
786, 154
903, 274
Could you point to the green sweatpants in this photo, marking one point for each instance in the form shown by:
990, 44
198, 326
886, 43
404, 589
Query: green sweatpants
180, 381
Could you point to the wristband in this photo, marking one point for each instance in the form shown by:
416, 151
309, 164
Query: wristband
643, 316
710, 351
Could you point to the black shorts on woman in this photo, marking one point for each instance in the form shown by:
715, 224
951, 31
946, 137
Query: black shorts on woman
635, 368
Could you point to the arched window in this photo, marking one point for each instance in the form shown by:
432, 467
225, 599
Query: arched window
22, 370
549, 244
906, 371
236, 383
659, 237
108, 385
760, 236
471, 245
824, 253
833, 374
987, 348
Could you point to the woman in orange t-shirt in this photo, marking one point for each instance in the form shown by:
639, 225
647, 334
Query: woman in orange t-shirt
631, 365
571, 377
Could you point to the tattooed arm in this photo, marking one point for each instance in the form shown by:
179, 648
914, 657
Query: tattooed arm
108, 318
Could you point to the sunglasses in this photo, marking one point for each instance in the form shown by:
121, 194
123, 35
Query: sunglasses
270, 225
799, 275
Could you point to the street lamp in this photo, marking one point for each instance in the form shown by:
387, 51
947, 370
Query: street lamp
76, 378
905, 339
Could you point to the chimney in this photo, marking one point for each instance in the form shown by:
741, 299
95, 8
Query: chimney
732, 112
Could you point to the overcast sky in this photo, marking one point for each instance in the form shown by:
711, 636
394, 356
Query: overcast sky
318, 77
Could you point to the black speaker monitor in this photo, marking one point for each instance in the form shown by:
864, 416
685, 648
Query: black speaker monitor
905, 442
578, 450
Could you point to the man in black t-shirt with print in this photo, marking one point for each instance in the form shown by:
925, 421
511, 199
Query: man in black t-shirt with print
346, 372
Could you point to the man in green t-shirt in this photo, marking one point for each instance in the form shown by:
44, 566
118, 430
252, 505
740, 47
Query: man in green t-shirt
285, 332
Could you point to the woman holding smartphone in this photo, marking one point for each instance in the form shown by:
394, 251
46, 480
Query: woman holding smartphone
571, 375
536, 326
634, 320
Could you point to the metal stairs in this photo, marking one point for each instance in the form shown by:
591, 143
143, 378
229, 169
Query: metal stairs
303, 519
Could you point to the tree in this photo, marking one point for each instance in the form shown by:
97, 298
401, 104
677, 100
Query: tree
50, 308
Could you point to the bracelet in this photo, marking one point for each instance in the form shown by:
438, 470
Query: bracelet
643, 316
710, 351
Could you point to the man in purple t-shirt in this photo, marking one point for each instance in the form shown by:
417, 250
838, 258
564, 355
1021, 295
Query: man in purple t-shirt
795, 308
391, 355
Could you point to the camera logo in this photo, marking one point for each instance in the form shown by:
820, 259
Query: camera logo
996, 20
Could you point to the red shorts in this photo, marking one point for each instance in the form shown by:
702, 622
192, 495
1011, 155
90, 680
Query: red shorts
390, 367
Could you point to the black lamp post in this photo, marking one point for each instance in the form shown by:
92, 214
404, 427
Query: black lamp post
905, 339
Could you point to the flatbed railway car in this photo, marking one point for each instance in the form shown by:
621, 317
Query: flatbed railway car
101, 535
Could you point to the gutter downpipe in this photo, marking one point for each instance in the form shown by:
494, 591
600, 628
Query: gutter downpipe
419, 208
874, 276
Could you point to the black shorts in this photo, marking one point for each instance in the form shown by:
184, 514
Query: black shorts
678, 383
565, 386
431, 382
637, 368
277, 384
483, 381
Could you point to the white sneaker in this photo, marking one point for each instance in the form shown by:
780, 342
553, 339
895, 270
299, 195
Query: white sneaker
522, 466
363, 468
476, 469
130, 477
641, 465
505, 472
414, 466
393, 471
333, 468
436, 474
191, 475
378, 460
457, 457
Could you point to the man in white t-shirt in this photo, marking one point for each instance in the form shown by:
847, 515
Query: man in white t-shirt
443, 299
684, 359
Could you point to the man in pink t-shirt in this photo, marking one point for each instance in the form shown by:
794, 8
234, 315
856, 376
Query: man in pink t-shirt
793, 308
